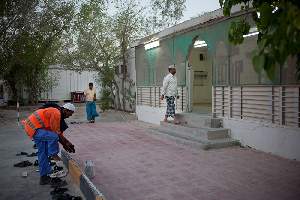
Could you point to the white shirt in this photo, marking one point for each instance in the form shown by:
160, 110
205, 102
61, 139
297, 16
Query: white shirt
89, 94
169, 86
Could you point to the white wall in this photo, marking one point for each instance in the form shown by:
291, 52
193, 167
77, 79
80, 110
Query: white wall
282, 141
70, 81
150, 114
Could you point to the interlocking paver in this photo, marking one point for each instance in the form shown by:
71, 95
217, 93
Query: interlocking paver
133, 164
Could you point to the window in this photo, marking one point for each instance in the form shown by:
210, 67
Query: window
201, 56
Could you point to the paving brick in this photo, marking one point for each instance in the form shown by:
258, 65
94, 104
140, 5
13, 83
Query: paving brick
131, 163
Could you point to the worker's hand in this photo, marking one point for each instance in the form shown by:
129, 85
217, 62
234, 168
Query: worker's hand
69, 147
162, 97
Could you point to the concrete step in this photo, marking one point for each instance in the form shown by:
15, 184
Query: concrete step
202, 144
221, 143
204, 133
199, 120
207, 138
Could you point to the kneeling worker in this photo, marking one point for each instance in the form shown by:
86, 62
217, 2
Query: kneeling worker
46, 126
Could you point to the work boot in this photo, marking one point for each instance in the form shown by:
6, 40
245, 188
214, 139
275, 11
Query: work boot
45, 180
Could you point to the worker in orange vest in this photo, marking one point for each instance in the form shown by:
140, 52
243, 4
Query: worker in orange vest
45, 126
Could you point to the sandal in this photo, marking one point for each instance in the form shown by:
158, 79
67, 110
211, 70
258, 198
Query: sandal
25, 163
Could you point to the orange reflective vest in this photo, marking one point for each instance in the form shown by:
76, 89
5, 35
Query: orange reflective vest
38, 119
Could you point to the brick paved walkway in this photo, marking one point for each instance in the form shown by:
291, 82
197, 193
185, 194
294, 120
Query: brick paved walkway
132, 164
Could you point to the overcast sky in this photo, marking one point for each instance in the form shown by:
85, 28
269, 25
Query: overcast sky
197, 7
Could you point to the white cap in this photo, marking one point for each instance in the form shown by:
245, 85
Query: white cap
69, 106
172, 66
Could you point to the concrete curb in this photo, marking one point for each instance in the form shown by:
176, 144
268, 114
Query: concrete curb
88, 189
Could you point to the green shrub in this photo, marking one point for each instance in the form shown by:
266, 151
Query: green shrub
105, 100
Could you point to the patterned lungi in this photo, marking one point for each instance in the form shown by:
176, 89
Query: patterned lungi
170, 106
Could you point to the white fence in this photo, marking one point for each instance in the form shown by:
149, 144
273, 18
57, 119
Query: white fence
274, 104
149, 95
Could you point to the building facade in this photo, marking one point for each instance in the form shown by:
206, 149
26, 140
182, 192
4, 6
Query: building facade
218, 79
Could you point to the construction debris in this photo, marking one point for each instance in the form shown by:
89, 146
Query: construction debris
24, 174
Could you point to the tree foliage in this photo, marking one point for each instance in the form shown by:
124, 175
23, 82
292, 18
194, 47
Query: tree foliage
278, 24
81, 35
30, 33
101, 34
164, 13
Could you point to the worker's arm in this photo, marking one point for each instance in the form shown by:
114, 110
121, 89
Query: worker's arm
67, 145
54, 116
94, 95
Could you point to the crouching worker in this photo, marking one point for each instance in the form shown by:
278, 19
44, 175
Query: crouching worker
46, 126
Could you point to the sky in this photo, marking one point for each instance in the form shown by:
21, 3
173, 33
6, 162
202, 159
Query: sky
194, 8
197, 7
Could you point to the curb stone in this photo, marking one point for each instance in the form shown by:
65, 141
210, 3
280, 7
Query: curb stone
86, 186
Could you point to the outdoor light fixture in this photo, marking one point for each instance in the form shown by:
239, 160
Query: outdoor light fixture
200, 43
253, 31
151, 45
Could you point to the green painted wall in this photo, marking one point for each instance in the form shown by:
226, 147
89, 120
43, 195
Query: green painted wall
227, 60
176, 50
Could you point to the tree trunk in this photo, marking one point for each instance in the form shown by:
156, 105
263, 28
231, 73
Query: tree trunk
123, 93
113, 97
118, 102
12, 85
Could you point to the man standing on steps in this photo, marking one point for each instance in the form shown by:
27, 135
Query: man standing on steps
169, 91
46, 126
90, 98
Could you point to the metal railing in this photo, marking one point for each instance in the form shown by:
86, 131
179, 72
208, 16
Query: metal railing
273, 104
150, 96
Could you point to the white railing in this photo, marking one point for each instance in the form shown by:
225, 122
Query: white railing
150, 96
274, 104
